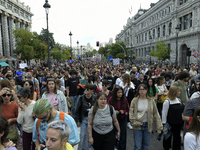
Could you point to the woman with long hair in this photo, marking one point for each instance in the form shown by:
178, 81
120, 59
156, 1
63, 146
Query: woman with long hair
153, 90
121, 106
4, 131
163, 91
101, 119
13, 83
142, 113
25, 118
9, 110
29, 84
192, 136
55, 96
172, 114
195, 90
6, 83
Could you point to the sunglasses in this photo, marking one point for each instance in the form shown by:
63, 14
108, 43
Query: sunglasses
4, 95
43, 117
104, 84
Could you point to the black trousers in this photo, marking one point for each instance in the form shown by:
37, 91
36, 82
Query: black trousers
159, 107
175, 130
103, 141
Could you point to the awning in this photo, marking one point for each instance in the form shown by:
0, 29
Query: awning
4, 64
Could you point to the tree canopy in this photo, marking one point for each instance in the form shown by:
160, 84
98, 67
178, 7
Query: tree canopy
28, 45
43, 38
162, 51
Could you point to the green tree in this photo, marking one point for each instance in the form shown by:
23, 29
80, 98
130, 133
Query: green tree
24, 41
43, 38
104, 50
55, 52
116, 51
162, 51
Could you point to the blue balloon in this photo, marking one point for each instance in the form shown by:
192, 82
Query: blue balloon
70, 61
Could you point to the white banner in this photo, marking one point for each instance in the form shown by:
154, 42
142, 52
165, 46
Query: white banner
22, 65
116, 61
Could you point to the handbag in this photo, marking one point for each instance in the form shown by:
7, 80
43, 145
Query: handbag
140, 115
163, 98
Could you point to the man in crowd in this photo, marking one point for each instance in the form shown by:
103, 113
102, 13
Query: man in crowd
44, 111
35, 83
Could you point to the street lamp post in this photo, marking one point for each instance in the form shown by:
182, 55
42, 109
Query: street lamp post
77, 48
124, 51
70, 34
81, 52
150, 38
47, 6
177, 29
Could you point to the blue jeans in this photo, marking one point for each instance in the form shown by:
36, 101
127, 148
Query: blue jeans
83, 134
74, 100
142, 137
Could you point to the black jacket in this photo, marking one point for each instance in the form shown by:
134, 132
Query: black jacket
81, 108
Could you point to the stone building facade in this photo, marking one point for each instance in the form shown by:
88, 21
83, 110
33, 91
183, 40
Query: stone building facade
13, 15
159, 22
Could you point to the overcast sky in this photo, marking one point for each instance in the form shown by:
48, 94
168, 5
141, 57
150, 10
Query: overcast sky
88, 20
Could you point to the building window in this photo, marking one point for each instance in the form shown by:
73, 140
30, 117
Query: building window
169, 9
190, 20
170, 28
149, 34
158, 32
153, 33
163, 30
186, 22
145, 36
180, 26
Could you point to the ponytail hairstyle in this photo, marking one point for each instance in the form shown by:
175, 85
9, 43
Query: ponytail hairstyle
95, 107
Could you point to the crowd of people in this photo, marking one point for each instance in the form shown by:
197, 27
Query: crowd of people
44, 109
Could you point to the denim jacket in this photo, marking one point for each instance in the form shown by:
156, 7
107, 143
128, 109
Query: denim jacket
62, 103
152, 114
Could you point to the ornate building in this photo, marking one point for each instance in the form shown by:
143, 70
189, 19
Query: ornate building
160, 22
13, 15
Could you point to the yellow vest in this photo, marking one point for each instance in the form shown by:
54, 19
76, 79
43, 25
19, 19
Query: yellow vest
68, 146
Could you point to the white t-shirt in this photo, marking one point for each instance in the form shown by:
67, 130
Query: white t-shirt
126, 90
190, 142
161, 88
117, 82
195, 95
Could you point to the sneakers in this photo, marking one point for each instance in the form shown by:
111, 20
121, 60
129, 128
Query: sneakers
129, 125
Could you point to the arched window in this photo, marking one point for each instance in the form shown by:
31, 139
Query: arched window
163, 30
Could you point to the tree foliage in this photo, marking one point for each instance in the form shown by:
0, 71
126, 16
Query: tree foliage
43, 38
162, 51
28, 45
116, 51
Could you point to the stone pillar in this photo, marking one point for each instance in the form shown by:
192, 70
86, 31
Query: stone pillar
144, 52
18, 23
156, 32
167, 28
5, 34
12, 36
1, 48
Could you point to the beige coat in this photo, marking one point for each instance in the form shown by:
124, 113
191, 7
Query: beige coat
152, 114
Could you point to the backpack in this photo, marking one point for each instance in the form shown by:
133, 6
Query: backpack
61, 117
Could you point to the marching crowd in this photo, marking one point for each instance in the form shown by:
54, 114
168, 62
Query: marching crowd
44, 109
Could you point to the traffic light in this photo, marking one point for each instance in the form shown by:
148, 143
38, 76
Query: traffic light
97, 43
70, 57
124, 56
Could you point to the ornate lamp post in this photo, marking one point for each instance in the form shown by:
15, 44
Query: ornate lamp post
77, 47
150, 38
177, 30
70, 34
81, 51
47, 6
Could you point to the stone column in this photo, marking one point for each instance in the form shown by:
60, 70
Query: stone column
18, 23
12, 36
5, 33
1, 48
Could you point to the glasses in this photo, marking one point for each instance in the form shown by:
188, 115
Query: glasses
4, 95
45, 117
